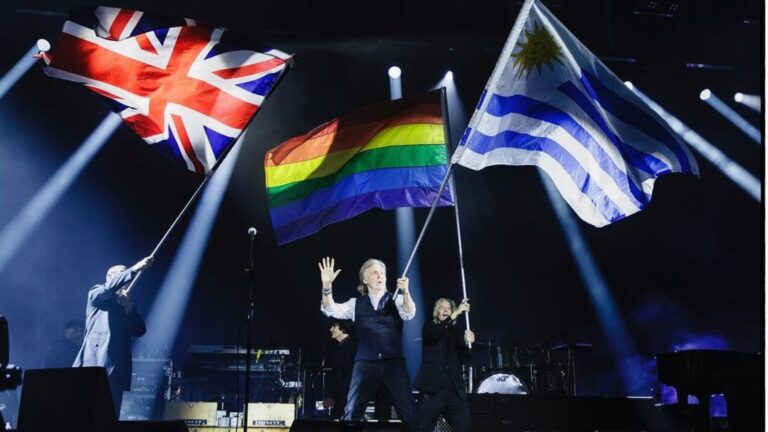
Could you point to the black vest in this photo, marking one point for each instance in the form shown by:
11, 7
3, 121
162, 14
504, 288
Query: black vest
379, 332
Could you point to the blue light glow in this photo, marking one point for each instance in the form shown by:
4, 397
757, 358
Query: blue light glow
746, 181
395, 83
24, 223
732, 116
170, 305
406, 240
751, 101
17, 71
608, 314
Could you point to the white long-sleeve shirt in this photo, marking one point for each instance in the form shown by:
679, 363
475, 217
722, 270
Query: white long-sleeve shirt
346, 310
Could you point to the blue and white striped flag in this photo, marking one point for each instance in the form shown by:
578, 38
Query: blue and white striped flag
551, 103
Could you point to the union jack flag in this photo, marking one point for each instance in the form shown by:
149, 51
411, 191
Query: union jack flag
186, 89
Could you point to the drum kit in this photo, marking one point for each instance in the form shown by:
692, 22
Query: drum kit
542, 368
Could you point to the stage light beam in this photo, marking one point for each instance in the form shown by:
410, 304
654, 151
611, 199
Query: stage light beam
170, 304
406, 240
751, 101
732, 116
608, 313
16, 232
18, 70
735, 172
457, 115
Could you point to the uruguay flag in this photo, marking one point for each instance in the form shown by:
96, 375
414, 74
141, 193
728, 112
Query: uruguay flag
551, 103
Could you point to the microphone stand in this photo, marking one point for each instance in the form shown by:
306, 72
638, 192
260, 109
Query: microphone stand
249, 325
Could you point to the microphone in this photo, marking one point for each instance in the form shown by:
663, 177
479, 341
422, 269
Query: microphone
252, 232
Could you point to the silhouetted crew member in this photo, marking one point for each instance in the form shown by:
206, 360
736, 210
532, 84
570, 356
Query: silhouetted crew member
62, 351
340, 359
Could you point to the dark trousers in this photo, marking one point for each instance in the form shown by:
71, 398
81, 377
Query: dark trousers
117, 397
338, 407
367, 376
448, 403
119, 381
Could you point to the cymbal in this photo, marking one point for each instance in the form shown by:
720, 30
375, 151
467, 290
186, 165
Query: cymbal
572, 346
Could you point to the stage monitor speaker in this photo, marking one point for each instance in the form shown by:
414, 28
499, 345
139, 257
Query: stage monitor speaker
4, 344
271, 414
153, 426
192, 413
70, 399
346, 426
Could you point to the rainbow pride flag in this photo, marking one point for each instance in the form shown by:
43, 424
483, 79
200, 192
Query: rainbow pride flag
385, 156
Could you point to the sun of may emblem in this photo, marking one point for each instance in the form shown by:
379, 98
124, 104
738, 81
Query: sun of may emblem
538, 49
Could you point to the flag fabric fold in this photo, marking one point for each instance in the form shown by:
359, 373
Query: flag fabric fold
550, 102
186, 89
385, 156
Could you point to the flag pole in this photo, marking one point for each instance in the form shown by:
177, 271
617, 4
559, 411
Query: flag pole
173, 225
506, 52
288, 62
428, 220
447, 131
190, 201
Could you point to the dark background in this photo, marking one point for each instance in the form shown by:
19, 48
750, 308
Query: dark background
687, 271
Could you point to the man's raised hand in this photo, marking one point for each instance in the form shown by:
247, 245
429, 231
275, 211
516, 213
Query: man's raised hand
327, 274
144, 263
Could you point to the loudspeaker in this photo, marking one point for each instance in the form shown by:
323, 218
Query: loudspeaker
271, 414
517, 413
346, 426
191, 413
71, 399
153, 426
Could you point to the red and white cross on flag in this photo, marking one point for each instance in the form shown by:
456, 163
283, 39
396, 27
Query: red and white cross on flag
186, 89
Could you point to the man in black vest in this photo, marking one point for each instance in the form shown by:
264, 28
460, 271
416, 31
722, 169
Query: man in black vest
378, 323
440, 378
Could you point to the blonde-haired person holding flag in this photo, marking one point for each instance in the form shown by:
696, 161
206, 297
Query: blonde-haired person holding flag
440, 379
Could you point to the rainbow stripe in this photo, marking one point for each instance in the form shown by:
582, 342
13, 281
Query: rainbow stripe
384, 156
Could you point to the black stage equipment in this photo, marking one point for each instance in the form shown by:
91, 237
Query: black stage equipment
546, 412
70, 399
76, 400
739, 376
10, 375
345, 426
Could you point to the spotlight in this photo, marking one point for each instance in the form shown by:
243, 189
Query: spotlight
449, 75
752, 101
629, 84
24, 223
705, 94
743, 178
43, 45
395, 72
723, 109
18, 70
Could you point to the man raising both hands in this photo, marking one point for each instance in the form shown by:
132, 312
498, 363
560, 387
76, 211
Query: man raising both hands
378, 324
